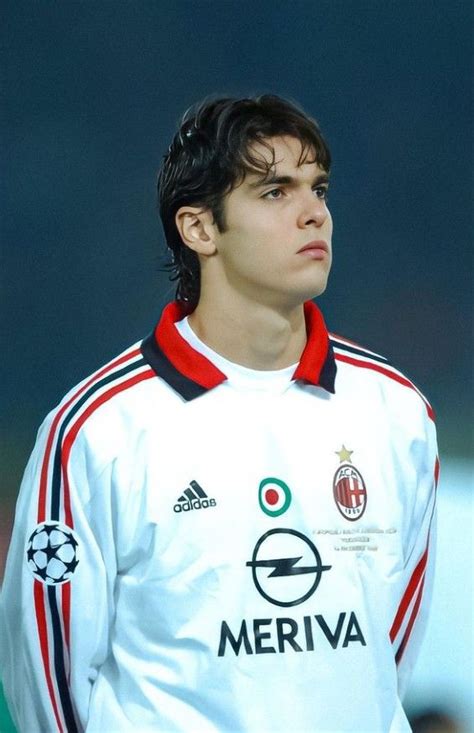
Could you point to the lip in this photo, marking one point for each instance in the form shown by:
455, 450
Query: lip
315, 249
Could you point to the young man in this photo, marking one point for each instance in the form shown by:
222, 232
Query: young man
226, 528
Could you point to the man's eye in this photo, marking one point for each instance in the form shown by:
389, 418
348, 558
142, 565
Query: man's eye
321, 192
275, 193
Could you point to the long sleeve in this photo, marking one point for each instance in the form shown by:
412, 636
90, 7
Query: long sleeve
415, 582
125, 585
57, 594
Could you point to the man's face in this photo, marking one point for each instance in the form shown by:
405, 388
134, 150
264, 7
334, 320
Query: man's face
270, 222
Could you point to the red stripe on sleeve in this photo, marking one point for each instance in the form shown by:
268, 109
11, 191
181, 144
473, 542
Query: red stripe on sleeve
408, 595
71, 435
43, 638
414, 613
396, 377
52, 430
41, 516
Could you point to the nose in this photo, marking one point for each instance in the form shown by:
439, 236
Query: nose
313, 212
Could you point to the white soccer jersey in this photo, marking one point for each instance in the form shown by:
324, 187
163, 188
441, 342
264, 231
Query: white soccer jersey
196, 550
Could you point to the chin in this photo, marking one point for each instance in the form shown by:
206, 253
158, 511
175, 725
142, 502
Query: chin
319, 291
296, 293
315, 289
297, 298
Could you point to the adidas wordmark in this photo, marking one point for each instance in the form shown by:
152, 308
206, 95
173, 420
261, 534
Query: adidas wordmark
194, 497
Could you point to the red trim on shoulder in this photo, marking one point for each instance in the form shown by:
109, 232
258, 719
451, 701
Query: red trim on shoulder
189, 362
40, 612
345, 340
72, 433
57, 418
316, 350
386, 372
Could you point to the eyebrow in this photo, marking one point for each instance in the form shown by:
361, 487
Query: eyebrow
286, 181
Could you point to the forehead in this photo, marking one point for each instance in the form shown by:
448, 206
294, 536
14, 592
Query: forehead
282, 154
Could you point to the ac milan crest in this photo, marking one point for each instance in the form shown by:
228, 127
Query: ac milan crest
349, 489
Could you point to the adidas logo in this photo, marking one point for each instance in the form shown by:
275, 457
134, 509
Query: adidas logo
193, 498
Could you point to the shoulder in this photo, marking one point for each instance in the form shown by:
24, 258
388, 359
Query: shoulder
102, 406
118, 376
362, 365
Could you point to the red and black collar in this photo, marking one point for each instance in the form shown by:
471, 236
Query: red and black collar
192, 374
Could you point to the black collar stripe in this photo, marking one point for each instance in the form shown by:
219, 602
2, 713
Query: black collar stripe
327, 376
359, 352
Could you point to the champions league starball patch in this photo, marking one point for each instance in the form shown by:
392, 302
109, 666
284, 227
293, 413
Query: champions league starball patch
349, 489
274, 496
52, 553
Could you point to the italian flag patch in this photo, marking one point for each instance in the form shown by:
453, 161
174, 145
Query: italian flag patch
274, 496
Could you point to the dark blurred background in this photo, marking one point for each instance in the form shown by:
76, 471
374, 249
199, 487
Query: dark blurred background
90, 95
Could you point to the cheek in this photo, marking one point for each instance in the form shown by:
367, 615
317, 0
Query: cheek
251, 240
329, 222
253, 255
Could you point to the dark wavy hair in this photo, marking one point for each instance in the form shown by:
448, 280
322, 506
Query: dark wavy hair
211, 154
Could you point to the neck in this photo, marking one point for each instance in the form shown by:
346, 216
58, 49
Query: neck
252, 334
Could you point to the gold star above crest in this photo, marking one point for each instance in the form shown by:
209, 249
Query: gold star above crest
344, 454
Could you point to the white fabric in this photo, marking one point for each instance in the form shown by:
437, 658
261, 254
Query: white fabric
169, 630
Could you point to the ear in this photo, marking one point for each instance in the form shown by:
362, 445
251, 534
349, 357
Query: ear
196, 228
